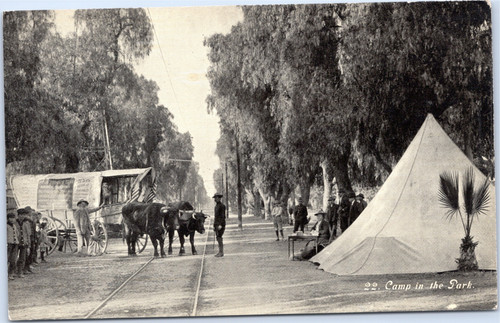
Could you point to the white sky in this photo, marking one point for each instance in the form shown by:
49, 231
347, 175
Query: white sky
183, 84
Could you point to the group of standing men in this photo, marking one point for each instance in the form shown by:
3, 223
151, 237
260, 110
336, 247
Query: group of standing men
340, 216
330, 224
25, 236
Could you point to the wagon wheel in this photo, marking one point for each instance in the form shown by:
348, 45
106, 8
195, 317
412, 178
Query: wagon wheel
98, 238
53, 235
68, 238
141, 243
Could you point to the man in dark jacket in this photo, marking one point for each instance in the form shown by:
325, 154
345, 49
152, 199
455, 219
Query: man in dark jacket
219, 222
13, 236
332, 216
32, 255
24, 242
323, 229
344, 208
357, 206
299, 216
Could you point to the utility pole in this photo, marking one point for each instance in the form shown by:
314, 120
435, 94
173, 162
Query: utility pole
227, 193
221, 182
108, 147
240, 216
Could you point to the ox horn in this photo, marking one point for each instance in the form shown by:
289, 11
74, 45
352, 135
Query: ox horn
192, 215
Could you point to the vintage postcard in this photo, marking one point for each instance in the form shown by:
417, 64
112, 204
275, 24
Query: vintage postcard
206, 160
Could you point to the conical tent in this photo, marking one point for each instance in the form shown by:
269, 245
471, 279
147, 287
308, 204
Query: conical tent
404, 229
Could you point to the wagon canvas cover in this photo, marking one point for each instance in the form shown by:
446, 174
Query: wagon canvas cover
63, 191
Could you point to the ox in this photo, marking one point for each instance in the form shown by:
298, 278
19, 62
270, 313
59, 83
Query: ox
147, 218
189, 223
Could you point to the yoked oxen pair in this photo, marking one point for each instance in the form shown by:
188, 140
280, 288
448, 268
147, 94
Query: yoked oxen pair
148, 218
190, 222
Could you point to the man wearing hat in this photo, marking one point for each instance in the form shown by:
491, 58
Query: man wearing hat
24, 242
219, 222
332, 215
357, 206
299, 216
82, 224
277, 213
13, 236
31, 257
323, 229
344, 208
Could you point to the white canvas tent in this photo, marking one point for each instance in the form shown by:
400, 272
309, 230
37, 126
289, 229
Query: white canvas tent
404, 229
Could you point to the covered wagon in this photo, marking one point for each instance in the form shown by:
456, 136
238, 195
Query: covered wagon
56, 196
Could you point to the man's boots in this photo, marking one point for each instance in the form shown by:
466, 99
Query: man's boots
221, 248
277, 236
282, 237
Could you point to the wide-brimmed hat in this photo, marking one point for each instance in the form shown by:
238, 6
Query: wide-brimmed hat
361, 195
11, 215
217, 195
320, 212
82, 201
29, 209
22, 211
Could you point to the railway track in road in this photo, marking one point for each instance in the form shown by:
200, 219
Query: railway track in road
143, 267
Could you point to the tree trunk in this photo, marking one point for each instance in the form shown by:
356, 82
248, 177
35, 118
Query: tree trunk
257, 204
304, 188
467, 260
285, 194
341, 172
327, 182
266, 197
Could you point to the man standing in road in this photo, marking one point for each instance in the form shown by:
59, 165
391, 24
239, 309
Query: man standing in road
24, 242
13, 235
277, 213
82, 224
357, 206
332, 216
219, 222
299, 216
31, 258
344, 208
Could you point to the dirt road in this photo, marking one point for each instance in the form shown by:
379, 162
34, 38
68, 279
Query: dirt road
254, 277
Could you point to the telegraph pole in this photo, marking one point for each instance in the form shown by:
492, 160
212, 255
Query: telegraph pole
222, 183
227, 193
240, 216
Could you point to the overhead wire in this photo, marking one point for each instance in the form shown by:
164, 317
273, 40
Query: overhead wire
176, 105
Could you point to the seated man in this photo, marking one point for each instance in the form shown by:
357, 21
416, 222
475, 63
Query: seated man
323, 229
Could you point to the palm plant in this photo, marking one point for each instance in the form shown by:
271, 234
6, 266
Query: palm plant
474, 202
